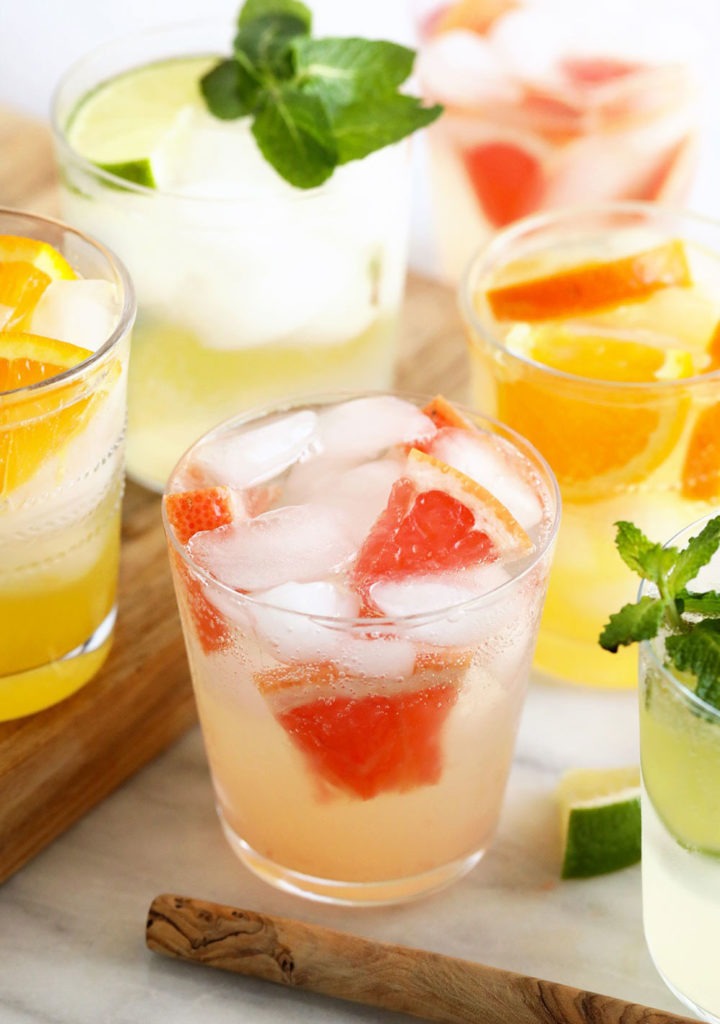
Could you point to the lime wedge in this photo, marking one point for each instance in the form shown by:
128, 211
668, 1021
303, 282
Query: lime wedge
600, 820
122, 122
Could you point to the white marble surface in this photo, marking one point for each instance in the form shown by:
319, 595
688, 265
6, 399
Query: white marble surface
72, 921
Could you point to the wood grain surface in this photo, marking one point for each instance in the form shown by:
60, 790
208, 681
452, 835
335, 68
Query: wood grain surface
57, 764
424, 984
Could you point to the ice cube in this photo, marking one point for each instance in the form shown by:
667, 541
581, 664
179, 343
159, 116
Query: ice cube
365, 427
456, 623
296, 543
492, 463
243, 458
83, 312
462, 68
288, 619
383, 657
362, 491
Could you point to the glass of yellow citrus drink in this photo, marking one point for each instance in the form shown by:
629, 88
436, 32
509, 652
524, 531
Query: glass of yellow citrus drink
680, 756
595, 333
360, 584
249, 289
66, 308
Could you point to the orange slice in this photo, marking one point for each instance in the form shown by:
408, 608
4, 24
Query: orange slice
21, 285
598, 440
444, 414
591, 286
36, 425
16, 248
701, 470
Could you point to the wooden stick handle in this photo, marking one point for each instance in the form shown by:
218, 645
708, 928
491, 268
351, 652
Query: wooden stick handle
427, 985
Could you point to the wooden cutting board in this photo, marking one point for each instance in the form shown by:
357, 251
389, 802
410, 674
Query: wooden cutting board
55, 765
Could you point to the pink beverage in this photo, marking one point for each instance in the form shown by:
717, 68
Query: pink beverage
360, 585
549, 104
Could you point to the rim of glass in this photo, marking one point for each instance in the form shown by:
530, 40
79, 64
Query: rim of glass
70, 154
649, 647
417, 618
486, 257
126, 315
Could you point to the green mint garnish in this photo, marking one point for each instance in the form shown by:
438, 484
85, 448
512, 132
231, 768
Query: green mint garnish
314, 103
690, 619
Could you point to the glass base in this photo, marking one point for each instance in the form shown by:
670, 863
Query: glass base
703, 1014
353, 894
25, 693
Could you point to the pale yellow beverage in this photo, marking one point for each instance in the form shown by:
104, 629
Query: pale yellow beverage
249, 290
595, 333
66, 307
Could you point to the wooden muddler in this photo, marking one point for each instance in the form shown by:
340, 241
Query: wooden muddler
427, 985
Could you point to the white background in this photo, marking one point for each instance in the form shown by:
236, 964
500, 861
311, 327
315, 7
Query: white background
39, 39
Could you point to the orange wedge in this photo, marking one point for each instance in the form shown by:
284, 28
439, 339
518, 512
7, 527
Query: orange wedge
591, 286
713, 350
21, 285
16, 248
36, 425
701, 470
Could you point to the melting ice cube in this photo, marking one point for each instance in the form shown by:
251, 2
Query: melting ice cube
80, 312
284, 619
244, 458
364, 427
298, 543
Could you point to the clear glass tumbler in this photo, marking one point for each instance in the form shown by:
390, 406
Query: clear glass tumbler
61, 481
249, 290
680, 755
357, 757
621, 398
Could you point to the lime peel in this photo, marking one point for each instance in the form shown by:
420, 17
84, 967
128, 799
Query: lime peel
600, 820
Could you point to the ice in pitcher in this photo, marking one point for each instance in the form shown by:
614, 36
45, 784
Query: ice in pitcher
360, 585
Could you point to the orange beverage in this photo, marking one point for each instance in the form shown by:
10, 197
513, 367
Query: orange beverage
549, 104
359, 612
66, 307
596, 334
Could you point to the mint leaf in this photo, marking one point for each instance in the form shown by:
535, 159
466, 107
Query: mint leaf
707, 604
634, 622
229, 90
698, 652
363, 127
263, 46
315, 103
695, 555
340, 71
649, 560
295, 136
254, 9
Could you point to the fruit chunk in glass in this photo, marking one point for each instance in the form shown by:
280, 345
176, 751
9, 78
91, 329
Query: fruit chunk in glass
66, 308
549, 105
595, 333
680, 755
360, 584
249, 290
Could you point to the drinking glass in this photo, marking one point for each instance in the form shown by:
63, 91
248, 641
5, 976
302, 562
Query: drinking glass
632, 446
334, 737
61, 482
680, 755
249, 290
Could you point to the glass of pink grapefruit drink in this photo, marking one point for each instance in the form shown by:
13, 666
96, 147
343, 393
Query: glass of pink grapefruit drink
550, 104
360, 583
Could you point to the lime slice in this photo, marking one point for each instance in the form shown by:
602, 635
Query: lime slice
122, 122
600, 820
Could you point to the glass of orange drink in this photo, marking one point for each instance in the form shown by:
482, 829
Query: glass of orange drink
595, 332
66, 308
360, 584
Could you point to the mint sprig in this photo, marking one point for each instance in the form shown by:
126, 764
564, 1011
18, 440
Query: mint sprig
315, 103
691, 619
